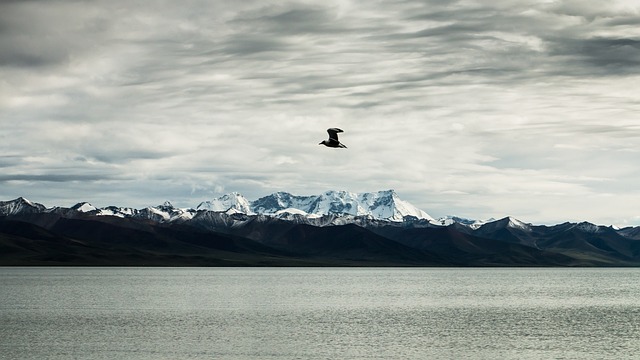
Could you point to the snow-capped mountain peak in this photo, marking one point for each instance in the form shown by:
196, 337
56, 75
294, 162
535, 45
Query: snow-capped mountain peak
167, 204
84, 207
280, 201
517, 224
229, 203
330, 207
383, 205
473, 224
20, 205
117, 211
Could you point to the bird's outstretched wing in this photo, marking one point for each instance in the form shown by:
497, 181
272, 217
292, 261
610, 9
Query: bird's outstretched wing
333, 133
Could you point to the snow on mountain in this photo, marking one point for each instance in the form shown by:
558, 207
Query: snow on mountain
20, 206
84, 207
230, 203
588, 227
517, 224
163, 213
292, 211
175, 213
116, 211
473, 224
380, 205
328, 208
282, 201
153, 213
341, 206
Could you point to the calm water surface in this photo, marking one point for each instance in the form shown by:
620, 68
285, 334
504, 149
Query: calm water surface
295, 313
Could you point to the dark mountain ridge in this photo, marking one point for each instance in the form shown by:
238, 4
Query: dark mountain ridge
31, 234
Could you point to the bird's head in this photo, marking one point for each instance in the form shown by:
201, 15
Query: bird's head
322, 142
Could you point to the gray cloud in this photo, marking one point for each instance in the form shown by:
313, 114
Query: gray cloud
9, 161
478, 109
51, 177
39, 34
601, 56
291, 21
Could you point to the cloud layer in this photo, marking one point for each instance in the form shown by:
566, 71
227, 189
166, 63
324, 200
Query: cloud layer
473, 108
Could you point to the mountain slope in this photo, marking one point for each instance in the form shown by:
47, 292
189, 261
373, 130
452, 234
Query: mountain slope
462, 249
127, 242
96, 240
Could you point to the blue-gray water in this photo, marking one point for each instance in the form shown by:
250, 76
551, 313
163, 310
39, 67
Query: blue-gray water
320, 313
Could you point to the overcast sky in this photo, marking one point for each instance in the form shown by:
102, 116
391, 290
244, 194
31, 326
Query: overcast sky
472, 108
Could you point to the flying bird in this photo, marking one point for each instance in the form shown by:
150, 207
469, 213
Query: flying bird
333, 139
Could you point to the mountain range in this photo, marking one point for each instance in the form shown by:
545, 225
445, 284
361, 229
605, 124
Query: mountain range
336, 228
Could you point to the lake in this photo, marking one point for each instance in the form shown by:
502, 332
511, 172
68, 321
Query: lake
319, 313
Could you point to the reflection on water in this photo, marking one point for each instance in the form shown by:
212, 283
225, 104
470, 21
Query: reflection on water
319, 313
